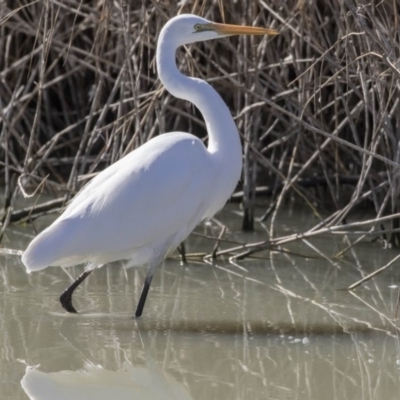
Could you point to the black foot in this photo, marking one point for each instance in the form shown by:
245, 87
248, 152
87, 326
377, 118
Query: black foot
66, 301
66, 296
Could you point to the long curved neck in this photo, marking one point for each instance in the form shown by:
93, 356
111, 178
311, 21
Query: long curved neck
223, 137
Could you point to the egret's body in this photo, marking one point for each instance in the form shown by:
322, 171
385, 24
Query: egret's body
121, 213
143, 206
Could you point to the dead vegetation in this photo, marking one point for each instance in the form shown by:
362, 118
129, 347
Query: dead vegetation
318, 106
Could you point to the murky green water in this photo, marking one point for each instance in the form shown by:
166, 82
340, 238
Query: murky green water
273, 328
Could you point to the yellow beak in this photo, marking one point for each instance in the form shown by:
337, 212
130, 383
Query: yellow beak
226, 29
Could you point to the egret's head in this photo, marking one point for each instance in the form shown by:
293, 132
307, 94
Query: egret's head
187, 28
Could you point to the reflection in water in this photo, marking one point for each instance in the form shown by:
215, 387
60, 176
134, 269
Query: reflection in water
272, 328
95, 382
122, 382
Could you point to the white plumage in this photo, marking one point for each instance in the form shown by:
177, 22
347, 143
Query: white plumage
148, 200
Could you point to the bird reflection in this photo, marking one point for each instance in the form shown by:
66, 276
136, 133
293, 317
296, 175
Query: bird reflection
95, 382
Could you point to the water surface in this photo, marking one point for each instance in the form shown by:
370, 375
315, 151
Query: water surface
276, 327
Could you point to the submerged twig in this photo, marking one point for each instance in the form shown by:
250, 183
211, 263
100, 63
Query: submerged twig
373, 274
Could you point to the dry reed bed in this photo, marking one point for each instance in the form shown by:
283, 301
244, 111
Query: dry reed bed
318, 106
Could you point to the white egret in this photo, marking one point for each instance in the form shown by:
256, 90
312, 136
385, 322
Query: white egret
143, 206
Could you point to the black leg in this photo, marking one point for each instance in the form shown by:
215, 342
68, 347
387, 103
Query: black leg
182, 252
143, 296
66, 296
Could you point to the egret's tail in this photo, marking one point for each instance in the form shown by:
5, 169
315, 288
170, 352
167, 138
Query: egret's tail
49, 248
37, 255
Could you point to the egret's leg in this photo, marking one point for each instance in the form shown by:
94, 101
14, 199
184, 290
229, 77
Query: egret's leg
182, 252
143, 296
145, 290
66, 296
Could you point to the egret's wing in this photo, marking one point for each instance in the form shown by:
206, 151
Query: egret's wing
154, 192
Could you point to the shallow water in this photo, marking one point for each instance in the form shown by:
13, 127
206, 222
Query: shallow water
277, 327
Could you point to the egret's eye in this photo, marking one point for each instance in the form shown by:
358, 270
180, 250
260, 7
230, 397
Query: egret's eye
198, 27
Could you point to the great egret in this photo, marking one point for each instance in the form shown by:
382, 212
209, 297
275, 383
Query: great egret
143, 206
